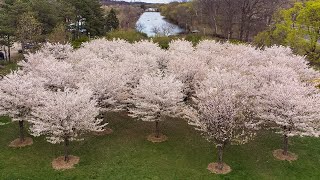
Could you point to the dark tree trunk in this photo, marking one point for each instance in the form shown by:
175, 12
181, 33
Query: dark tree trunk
157, 129
9, 53
241, 29
247, 33
9, 48
23, 47
21, 134
285, 140
66, 149
220, 157
285, 145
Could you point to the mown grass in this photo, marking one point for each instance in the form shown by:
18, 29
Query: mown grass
126, 154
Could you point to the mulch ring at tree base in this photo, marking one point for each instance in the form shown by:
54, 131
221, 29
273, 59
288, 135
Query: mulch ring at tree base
106, 131
213, 167
280, 156
17, 143
60, 164
152, 137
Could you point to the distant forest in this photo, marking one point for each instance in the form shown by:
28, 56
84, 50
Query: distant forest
113, 2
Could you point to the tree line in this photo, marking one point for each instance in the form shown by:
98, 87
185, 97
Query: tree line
35, 21
238, 19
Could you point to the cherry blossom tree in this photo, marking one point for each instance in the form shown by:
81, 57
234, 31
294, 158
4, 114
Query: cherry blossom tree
181, 47
64, 115
58, 73
157, 95
57, 50
225, 112
246, 58
115, 50
18, 97
291, 106
186, 65
116, 61
106, 81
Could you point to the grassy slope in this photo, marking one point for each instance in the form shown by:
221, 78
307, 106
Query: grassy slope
127, 155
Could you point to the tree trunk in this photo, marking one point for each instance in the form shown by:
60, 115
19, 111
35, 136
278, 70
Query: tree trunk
66, 149
21, 135
220, 156
157, 129
5, 53
215, 26
9, 49
247, 33
23, 46
285, 145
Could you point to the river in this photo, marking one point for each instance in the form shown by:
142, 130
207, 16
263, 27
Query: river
153, 23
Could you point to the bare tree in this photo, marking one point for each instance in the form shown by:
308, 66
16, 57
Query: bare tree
241, 19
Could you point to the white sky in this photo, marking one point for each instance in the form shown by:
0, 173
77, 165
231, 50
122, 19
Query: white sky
153, 1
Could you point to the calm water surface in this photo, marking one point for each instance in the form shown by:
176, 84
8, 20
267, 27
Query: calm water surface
150, 22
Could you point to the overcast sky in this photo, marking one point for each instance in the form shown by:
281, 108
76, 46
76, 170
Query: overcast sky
153, 1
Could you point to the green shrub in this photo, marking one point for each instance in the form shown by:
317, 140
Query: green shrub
163, 41
194, 38
236, 41
128, 35
77, 43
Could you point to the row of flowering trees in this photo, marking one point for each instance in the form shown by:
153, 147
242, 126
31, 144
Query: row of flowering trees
227, 91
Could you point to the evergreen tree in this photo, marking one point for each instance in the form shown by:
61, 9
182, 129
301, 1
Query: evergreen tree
6, 34
112, 21
92, 12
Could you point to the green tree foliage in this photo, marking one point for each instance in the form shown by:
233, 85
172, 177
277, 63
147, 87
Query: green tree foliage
297, 27
10, 12
90, 10
6, 33
59, 34
47, 13
29, 29
50, 14
112, 21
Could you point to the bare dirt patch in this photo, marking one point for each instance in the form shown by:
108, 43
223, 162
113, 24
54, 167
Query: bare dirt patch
152, 137
60, 164
106, 131
278, 154
213, 167
17, 143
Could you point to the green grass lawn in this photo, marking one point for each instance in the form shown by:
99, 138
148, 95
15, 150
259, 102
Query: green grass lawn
7, 67
126, 154
12, 65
